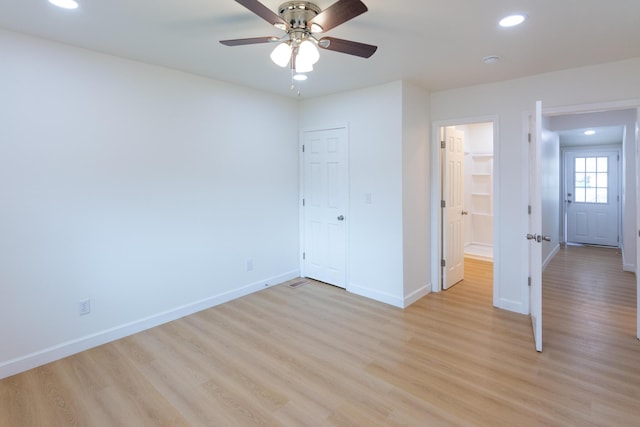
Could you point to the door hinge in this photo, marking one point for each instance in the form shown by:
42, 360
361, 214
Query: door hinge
304, 255
529, 136
303, 203
443, 144
303, 148
443, 204
529, 209
529, 281
618, 157
443, 263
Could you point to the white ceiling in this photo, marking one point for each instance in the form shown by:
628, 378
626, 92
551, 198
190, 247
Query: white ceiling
604, 135
434, 44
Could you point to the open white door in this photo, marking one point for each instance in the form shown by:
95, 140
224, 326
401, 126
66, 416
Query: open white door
453, 211
535, 224
325, 204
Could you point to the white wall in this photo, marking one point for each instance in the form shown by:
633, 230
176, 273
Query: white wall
141, 188
626, 118
379, 146
478, 137
416, 193
509, 100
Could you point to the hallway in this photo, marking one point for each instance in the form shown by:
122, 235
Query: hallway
589, 329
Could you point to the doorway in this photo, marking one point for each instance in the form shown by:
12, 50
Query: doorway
592, 136
466, 177
571, 125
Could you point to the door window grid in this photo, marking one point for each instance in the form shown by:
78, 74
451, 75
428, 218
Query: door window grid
591, 179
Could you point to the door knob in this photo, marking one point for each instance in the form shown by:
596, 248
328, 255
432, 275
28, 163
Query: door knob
464, 213
538, 237
341, 218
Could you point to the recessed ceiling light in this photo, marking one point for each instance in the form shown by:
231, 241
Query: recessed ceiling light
589, 132
512, 20
65, 4
300, 77
491, 59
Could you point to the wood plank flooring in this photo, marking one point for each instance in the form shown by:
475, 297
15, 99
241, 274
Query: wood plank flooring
315, 355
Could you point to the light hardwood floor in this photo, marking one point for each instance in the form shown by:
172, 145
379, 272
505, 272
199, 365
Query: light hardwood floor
315, 355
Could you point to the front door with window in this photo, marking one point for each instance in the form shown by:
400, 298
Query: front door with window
592, 198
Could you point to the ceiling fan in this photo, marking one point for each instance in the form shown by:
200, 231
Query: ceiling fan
302, 22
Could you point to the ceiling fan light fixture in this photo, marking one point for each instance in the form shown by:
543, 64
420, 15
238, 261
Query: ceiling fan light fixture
300, 77
281, 54
316, 28
308, 52
301, 20
65, 4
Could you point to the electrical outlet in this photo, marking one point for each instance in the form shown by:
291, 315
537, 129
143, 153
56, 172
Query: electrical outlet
84, 307
250, 264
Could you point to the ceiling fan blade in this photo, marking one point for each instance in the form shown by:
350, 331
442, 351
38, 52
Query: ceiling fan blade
339, 13
347, 46
264, 12
252, 40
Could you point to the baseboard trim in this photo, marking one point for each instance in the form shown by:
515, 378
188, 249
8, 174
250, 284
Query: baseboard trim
60, 351
415, 296
376, 295
514, 306
548, 259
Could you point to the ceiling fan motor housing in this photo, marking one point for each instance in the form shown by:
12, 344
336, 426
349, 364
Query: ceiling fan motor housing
298, 13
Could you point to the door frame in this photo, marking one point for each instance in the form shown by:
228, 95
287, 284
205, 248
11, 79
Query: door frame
637, 162
436, 210
301, 195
